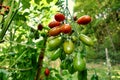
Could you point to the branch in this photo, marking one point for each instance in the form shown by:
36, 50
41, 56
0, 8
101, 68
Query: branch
40, 60
27, 69
108, 63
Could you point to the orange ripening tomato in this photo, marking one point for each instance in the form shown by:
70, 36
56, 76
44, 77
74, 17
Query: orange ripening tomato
66, 28
54, 31
54, 24
59, 17
83, 20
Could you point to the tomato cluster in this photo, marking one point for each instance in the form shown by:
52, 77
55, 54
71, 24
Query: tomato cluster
66, 47
57, 26
62, 43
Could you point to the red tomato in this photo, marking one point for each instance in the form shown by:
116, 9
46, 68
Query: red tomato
47, 72
59, 17
66, 28
54, 31
40, 26
84, 20
53, 24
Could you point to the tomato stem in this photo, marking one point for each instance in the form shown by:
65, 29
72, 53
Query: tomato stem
40, 60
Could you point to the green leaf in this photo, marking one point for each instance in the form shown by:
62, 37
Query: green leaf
48, 1
58, 76
37, 1
20, 17
26, 4
3, 74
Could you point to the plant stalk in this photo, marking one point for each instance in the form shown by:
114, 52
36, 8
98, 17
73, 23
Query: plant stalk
40, 61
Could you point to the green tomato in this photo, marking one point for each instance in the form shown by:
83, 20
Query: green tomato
56, 54
68, 47
86, 40
79, 62
54, 43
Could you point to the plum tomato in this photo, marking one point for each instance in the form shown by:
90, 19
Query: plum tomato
59, 17
54, 24
47, 72
68, 46
83, 20
54, 43
54, 31
86, 40
79, 62
66, 28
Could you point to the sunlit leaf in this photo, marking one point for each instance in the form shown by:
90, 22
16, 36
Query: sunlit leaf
37, 1
25, 3
48, 1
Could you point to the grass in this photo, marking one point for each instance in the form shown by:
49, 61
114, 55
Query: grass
99, 66
103, 71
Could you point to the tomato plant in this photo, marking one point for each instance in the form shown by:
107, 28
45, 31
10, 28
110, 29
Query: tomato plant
34, 50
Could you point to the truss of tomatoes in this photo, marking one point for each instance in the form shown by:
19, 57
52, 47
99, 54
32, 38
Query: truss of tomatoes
60, 47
